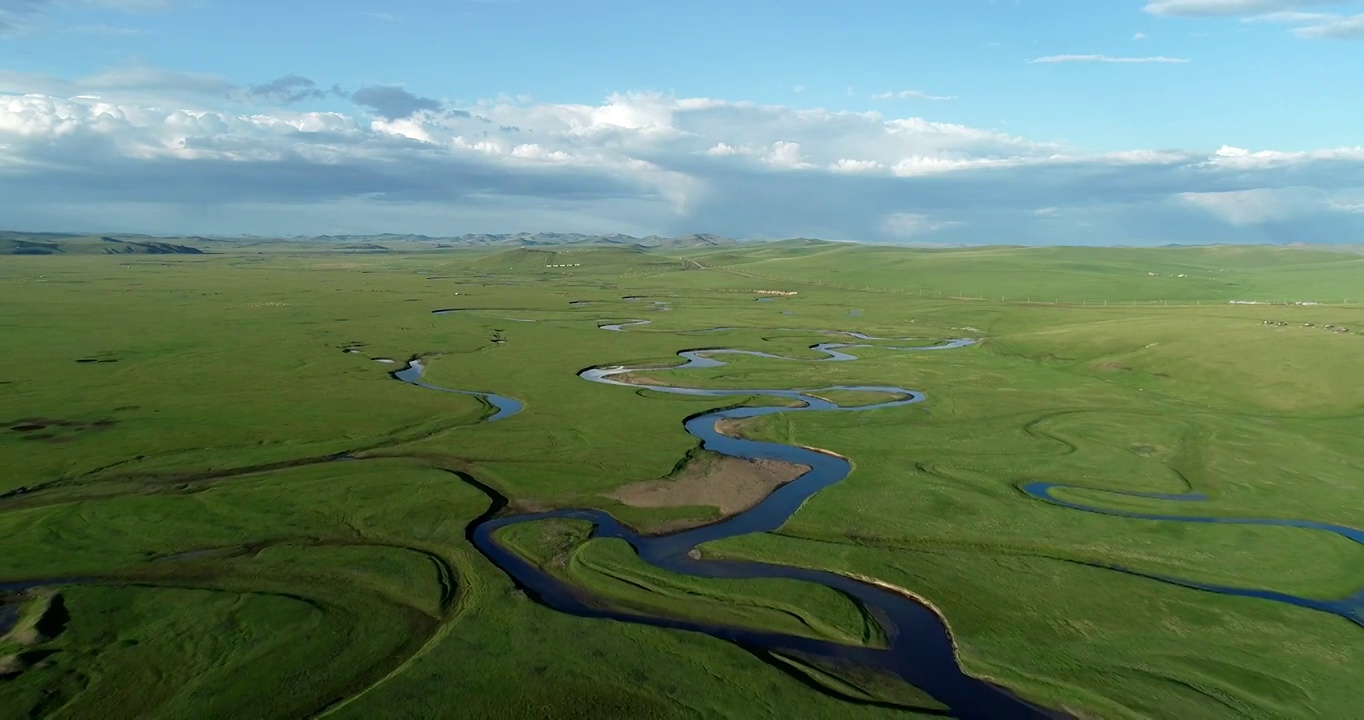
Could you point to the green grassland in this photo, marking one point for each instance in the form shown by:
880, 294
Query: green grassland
170, 424
1077, 274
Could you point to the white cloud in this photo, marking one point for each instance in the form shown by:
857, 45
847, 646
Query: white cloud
1310, 25
918, 166
410, 128
1289, 16
1242, 207
142, 85
724, 150
786, 154
102, 30
533, 151
1333, 28
907, 225
131, 5
1234, 158
847, 165
911, 95
638, 160
1158, 59
1214, 8
138, 77
1263, 205
490, 147
1139, 36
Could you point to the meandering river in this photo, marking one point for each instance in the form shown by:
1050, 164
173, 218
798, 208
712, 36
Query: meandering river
919, 647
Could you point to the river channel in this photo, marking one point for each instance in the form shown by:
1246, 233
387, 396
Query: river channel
1350, 608
919, 647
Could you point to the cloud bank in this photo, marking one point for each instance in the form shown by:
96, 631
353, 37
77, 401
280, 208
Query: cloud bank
114, 153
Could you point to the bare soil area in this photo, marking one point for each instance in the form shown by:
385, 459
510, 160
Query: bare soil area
730, 484
730, 427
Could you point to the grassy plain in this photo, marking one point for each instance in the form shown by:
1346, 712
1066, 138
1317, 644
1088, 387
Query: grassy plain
215, 395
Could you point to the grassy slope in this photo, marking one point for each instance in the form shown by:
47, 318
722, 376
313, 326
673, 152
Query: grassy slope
233, 361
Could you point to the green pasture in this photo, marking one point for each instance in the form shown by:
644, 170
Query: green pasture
1185, 275
169, 427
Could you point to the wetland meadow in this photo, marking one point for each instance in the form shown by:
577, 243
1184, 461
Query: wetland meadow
777, 479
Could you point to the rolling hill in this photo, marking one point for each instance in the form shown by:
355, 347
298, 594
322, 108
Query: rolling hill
36, 244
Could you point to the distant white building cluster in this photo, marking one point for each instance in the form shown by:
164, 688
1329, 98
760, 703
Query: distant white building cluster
573, 265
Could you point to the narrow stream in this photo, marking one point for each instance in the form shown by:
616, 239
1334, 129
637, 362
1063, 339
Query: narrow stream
504, 406
1350, 608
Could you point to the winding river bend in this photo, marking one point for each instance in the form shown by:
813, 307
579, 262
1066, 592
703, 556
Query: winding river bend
504, 407
919, 648
1350, 608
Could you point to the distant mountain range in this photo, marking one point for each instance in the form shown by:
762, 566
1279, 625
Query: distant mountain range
22, 243
52, 244
531, 240
45, 243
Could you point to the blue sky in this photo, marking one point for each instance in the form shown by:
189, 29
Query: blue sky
925, 121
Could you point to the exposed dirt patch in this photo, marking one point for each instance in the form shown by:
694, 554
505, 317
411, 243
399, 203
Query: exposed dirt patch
637, 379
1111, 366
730, 484
1148, 450
730, 427
530, 505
